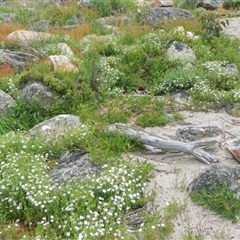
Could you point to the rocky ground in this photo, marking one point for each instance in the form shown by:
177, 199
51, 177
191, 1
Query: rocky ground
175, 171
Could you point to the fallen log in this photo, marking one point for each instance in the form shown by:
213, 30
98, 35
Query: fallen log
148, 139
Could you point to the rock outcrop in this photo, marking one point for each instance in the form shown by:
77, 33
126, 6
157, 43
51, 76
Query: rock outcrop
167, 13
74, 165
17, 59
6, 101
43, 95
56, 126
217, 175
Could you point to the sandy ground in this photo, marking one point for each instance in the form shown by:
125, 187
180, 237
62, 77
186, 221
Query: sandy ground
175, 171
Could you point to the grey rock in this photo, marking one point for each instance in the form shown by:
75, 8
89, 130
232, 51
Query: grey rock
6, 101
74, 165
231, 69
232, 29
17, 59
43, 95
7, 17
167, 13
179, 93
42, 25
218, 174
86, 3
196, 133
56, 126
209, 4
179, 51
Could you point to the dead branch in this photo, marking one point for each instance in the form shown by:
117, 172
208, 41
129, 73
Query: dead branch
148, 139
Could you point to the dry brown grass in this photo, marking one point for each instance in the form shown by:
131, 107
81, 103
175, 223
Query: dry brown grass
6, 69
76, 33
7, 28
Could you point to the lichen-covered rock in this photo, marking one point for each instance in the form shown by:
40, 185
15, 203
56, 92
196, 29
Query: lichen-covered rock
217, 175
74, 165
196, 133
56, 126
179, 51
15, 58
6, 101
43, 95
209, 4
7, 17
86, 3
167, 13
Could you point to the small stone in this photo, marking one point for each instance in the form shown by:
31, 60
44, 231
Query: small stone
196, 133
62, 63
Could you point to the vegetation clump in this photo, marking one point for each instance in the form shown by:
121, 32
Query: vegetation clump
123, 76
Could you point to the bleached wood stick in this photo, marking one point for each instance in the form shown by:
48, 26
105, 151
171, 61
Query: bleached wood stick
160, 143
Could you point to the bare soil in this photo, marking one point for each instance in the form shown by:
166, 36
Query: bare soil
174, 171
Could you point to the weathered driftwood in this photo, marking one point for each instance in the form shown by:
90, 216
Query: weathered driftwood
233, 147
148, 139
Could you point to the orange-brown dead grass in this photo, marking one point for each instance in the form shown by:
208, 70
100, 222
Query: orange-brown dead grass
224, 12
76, 33
7, 28
6, 69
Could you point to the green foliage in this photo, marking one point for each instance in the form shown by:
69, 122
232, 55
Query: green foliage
22, 116
178, 116
107, 7
211, 26
220, 199
192, 236
231, 4
30, 198
184, 4
153, 118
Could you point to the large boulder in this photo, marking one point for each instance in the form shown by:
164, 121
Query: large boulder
217, 175
209, 4
27, 36
17, 59
179, 51
74, 165
167, 13
6, 101
56, 126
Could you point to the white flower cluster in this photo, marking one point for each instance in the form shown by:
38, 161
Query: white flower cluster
215, 65
150, 42
84, 209
109, 77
